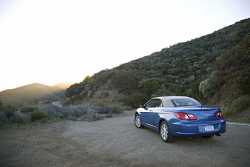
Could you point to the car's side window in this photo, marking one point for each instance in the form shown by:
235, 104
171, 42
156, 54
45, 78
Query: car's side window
154, 103
168, 103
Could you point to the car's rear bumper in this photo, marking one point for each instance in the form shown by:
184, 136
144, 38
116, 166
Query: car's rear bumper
192, 128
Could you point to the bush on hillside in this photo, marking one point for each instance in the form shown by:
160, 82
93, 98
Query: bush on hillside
28, 109
149, 86
19, 117
244, 82
74, 89
208, 87
3, 118
9, 111
134, 100
1, 106
38, 115
116, 108
239, 104
124, 81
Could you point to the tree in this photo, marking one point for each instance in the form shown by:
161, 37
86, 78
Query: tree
150, 86
74, 89
125, 81
1, 105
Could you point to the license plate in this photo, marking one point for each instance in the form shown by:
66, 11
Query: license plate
209, 128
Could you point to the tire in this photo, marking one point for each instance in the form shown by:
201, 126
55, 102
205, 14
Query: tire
208, 136
138, 121
164, 132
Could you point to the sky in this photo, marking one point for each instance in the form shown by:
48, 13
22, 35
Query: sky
54, 41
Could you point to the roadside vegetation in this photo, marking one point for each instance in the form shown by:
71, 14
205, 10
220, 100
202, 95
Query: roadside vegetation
49, 112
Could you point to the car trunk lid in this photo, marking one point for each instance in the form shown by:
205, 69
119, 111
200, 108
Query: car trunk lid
202, 113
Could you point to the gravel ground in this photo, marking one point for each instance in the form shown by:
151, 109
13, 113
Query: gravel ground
116, 142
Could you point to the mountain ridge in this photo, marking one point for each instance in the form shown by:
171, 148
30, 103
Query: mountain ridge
29, 93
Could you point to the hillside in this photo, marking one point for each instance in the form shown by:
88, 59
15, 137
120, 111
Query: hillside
29, 93
214, 68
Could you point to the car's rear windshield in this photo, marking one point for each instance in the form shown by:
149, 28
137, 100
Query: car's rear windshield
185, 102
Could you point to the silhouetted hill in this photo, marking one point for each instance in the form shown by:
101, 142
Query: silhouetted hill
62, 85
214, 68
29, 93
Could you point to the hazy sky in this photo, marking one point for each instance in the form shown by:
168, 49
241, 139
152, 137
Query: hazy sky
51, 41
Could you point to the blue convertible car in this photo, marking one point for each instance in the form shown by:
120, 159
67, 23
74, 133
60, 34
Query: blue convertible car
180, 116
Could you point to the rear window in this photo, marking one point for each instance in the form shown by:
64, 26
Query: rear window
185, 102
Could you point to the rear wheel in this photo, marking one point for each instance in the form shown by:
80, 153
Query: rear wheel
164, 132
207, 136
138, 121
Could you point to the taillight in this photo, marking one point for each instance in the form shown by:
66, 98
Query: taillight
185, 116
219, 115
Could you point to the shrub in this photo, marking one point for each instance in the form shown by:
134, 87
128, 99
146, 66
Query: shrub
124, 81
134, 100
28, 109
149, 86
38, 115
239, 105
19, 117
3, 117
1, 106
52, 110
73, 90
9, 111
208, 86
116, 108
244, 82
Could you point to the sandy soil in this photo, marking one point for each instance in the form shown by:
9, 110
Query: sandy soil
116, 142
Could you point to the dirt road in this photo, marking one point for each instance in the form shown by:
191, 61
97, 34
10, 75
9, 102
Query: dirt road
116, 142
